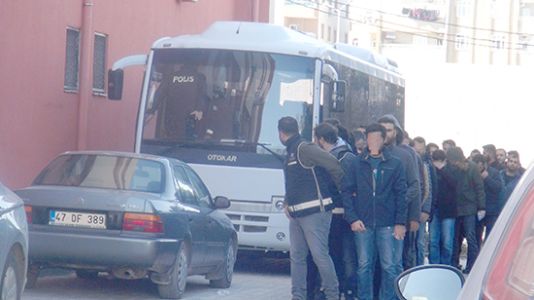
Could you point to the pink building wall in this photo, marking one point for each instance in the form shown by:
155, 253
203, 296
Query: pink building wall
38, 119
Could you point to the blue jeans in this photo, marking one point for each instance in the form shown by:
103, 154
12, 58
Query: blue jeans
310, 233
370, 243
441, 233
468, 226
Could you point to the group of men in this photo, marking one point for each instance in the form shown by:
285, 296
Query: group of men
358, 210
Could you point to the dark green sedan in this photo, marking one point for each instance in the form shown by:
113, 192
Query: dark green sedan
131, 216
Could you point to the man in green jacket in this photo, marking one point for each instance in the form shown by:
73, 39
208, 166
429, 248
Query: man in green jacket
471, 202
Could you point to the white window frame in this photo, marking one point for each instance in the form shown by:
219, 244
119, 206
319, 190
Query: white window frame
100, 91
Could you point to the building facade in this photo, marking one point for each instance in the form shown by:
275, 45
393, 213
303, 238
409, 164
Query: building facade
55, 57
326, 20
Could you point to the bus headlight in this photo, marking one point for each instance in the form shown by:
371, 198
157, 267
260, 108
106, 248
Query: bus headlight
278, 203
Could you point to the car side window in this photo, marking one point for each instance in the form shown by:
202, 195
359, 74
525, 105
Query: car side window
202, 192
184, 186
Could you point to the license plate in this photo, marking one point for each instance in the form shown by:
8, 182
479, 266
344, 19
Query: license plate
77, 219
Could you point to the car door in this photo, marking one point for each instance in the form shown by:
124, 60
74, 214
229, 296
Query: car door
197, 220
216, 236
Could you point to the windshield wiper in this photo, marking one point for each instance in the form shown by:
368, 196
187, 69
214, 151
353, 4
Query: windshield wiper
247, 143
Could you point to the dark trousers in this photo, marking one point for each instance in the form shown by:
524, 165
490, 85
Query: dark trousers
409, 252
466, 226
488, 222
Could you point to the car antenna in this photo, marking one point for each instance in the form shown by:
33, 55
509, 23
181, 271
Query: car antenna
238, 27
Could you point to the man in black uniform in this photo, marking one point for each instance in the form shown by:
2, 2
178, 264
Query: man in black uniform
310, 173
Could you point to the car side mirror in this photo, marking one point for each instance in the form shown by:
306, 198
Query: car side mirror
429, 282
115, 83
221, 202
337, 101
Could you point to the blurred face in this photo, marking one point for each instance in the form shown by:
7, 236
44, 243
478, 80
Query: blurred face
391, 133
360, 145
375, 142
501, 155
488, 154
420, 148
481, 166
432, 149
512, 164
446, 147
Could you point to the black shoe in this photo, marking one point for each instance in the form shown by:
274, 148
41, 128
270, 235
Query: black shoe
466, 271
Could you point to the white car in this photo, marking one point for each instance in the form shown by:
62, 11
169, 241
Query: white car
13, 245
504, 268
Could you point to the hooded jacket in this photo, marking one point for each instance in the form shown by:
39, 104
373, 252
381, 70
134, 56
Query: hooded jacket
343, 153
413, 192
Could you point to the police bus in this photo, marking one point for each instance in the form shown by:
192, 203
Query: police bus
213, 100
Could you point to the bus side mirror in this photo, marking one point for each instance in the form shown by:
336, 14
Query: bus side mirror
115, 82
337, 102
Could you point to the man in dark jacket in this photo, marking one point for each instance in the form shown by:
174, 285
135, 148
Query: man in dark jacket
341, 240
309, 172
510, 175
493, 185
377, 213
490, 152
471, 202
429, 194
441, 229
394, 137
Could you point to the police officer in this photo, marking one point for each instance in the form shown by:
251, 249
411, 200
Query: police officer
311, 177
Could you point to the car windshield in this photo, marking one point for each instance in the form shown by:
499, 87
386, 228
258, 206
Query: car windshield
104, 171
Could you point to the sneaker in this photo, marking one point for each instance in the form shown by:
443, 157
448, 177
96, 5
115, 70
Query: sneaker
349, 295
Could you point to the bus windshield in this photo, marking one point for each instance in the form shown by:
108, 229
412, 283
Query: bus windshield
211, 97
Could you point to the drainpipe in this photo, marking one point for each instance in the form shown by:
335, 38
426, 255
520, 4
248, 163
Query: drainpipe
86, 72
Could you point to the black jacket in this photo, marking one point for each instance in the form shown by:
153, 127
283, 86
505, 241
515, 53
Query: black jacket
446, 195
310, 174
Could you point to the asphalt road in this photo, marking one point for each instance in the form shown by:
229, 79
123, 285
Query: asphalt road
255, 278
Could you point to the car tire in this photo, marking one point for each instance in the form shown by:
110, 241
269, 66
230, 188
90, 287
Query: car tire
11, 282
32, 276
227, 268
178, 277
85, 274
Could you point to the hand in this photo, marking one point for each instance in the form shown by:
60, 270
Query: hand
424, 217
481, 214
414, 226
357, 226
399, 232
484, 174
287, 213
197, 114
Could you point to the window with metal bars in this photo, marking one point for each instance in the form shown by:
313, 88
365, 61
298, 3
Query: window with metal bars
72, 60
99, 63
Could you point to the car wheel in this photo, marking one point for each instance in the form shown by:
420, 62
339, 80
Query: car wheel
32, 276
178, 279
85, 274
11, 281
227, 270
